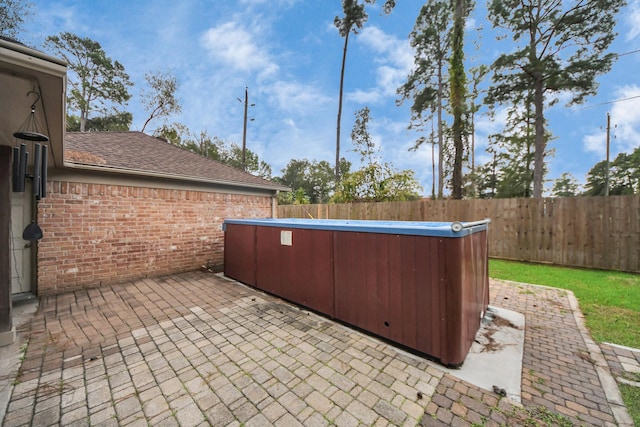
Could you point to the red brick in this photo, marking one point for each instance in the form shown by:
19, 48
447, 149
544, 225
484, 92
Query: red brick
99, 234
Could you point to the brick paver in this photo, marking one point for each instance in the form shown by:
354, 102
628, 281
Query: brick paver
560, 384
624, 362
195, 349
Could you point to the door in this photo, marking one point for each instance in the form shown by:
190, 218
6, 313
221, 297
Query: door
20, 248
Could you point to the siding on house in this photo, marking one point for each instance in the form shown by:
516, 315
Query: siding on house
96, 234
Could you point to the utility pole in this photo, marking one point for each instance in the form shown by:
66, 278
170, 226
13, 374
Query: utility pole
244, 128
606, 173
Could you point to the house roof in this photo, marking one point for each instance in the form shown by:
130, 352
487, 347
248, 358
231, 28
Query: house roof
139, 154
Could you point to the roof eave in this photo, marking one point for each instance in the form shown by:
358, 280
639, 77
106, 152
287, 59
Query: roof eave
134, 172
50, 74
35, 59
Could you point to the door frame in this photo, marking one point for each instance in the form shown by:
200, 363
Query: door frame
29, 256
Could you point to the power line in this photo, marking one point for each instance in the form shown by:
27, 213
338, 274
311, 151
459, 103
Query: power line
609, 102
617, 100
627, 53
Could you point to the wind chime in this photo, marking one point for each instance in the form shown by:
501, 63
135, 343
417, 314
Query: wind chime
30, 131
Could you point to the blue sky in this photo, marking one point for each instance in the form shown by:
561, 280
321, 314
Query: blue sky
288, 53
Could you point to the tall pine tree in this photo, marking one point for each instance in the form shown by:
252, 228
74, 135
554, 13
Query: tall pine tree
457, 95
560, 47
427, 84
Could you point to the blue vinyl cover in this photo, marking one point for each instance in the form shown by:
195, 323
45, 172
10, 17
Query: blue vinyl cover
412, 228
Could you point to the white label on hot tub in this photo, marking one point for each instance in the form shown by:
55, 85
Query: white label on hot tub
285, 238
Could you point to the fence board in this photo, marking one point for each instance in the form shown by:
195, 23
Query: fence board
633, 244
595, 232
617, 226
593, 218
547, 230
564, 245
582, 248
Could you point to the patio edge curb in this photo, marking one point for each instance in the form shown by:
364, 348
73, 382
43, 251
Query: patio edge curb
609, 384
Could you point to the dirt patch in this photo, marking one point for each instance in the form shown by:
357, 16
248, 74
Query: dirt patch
487, 341
500, 322
556, 303
274, 306
584, 355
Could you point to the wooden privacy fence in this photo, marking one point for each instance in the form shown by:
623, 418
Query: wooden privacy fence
593, 232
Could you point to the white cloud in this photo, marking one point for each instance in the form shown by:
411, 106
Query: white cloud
487, 125
291, 140
595, 142
633, 20
277, 2
397, 52
562, 98
237, 48
395, 61
390, 78
364, 97
625, 125
295, 97
51, 19
470, 24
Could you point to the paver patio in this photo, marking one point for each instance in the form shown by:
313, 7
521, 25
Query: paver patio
195, 349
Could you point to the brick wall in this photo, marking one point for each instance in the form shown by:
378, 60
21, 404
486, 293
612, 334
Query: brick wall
96, 234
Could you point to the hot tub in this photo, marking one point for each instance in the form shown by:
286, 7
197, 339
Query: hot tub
423, 285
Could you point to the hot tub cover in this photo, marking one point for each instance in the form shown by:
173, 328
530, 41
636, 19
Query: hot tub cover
412, 228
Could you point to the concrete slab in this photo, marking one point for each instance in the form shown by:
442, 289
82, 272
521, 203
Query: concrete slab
8, 338
494, 362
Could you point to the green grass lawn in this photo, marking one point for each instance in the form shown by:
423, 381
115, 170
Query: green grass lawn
631, 396
610, 300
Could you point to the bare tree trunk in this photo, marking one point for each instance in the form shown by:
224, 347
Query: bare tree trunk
344, 60
146, 123
84, 109
440, 136
540, 144
527, 192
83, 120
433, 163
538, 105
457, 99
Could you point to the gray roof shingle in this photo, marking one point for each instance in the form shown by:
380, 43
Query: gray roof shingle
138, 153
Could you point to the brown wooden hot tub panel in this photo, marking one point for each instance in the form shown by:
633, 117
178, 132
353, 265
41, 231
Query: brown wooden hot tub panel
240, 253
301, 273
423, 292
